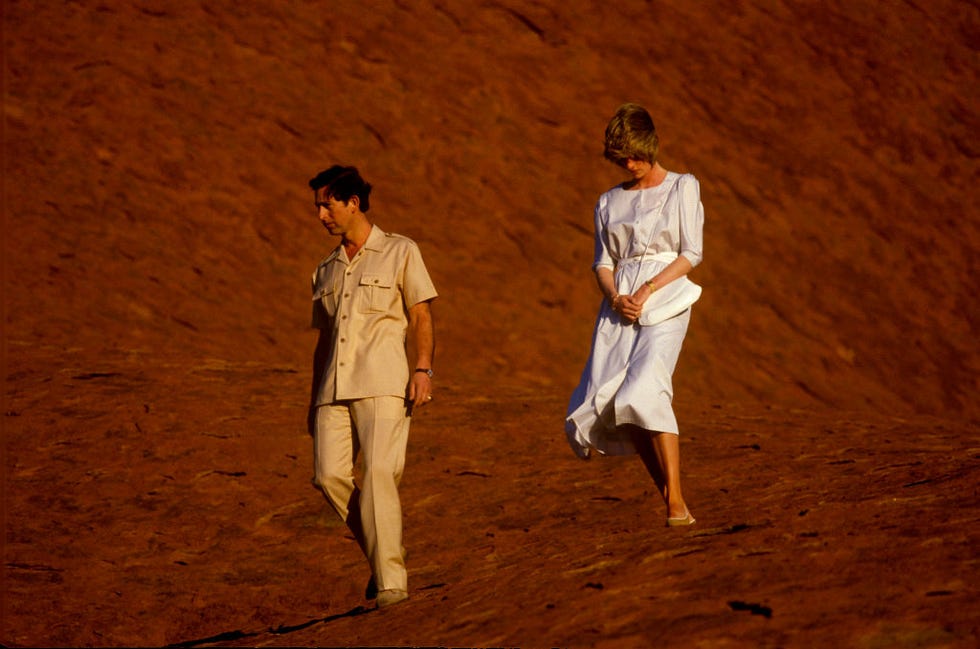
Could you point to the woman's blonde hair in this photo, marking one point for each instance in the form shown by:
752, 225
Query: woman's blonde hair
631, 134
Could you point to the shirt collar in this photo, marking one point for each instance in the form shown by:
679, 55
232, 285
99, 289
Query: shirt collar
376, 240
375, 243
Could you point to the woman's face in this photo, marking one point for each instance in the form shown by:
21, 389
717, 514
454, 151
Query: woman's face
637, 168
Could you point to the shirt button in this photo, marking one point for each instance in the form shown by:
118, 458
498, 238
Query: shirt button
343, 340
346, 294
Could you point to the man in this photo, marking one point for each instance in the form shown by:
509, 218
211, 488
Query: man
372, 366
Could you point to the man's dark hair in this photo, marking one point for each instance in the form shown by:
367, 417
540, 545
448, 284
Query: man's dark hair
342, 183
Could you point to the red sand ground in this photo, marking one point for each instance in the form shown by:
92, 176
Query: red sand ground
158, 240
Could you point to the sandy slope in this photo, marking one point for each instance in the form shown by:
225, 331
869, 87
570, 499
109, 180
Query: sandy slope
158, 240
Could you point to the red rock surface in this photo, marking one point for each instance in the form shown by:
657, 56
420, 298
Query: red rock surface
158, 240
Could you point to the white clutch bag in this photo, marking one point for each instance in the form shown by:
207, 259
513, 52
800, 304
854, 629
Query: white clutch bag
668, 301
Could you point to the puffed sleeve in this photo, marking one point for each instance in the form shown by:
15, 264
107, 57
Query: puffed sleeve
692, 220
603, 259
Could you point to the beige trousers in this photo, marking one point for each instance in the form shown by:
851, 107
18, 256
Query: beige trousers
378, 428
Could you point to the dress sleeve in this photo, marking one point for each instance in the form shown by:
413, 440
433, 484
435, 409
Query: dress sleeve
603, 259
692, 220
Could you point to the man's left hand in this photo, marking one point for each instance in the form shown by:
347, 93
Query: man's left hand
420, 389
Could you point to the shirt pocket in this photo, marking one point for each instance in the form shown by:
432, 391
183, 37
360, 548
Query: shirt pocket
327, 296
376, 292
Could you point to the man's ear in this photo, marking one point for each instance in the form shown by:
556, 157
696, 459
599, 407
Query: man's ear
354, 202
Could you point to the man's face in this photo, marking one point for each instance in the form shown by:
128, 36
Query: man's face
336, 216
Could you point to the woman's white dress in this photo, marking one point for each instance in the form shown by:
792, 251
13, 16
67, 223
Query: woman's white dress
627, 379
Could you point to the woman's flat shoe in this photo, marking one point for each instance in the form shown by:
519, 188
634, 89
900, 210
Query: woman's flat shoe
681, 522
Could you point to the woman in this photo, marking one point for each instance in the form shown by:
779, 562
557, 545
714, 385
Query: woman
648, 236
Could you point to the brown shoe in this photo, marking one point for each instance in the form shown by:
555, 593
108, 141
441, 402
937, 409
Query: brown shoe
391, 597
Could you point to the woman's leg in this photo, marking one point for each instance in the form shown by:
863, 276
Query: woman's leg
668, 450
643, 441
661, 456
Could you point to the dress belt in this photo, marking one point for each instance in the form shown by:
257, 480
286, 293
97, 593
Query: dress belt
666, 257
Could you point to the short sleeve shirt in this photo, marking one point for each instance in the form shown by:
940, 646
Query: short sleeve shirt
362, 304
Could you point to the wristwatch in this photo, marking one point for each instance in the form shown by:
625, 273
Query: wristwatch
424, 370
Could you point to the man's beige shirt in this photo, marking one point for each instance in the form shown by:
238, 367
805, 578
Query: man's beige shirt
362, 303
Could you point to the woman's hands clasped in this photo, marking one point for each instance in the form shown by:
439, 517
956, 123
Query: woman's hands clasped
629, 307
